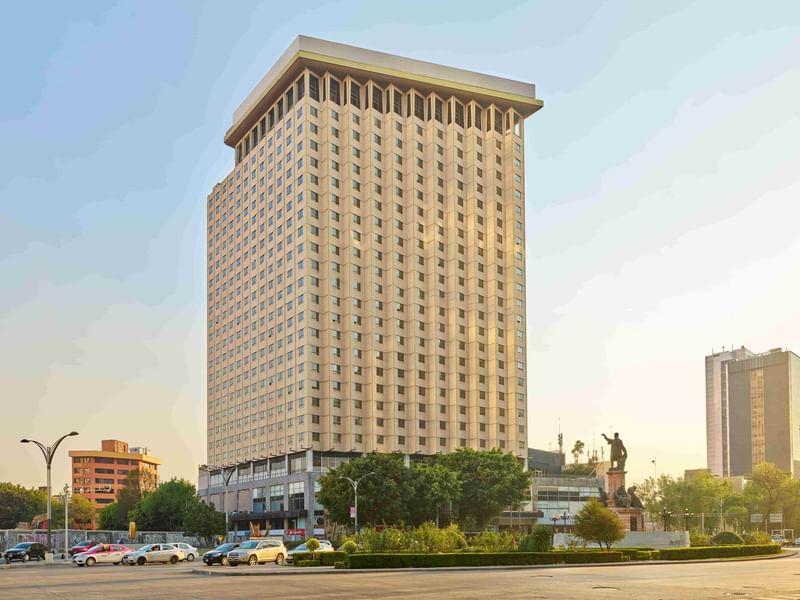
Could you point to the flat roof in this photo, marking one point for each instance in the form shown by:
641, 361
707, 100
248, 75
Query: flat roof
343, 59
148, 458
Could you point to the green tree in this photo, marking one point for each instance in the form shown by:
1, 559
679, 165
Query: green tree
596, 523
577, 450
490, 482
203, 520
430, 487
166, 508
107, 518
81, 511
19, 504
771, 490
382, 497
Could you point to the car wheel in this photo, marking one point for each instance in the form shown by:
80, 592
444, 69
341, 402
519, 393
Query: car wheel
190, 558
173, 560
253, 560
224, 562
25, 558
141, 560
90, 562
116, 563
279, 560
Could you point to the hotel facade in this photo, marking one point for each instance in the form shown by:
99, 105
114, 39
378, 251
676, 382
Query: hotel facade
366, 275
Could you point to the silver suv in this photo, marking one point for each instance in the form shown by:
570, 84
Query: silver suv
256, 552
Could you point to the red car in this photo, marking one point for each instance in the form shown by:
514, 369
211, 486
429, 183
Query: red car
81, 547
101, 553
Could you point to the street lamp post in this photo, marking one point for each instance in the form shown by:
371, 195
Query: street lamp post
686, 515
665, 515
565, 516
66, 520
48, 452
554, 519
226, 479
355, 483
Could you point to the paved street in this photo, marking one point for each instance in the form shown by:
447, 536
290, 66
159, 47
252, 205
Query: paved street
755, 580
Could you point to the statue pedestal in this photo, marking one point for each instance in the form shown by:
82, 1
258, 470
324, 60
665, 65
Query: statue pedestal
614, 480
632, 519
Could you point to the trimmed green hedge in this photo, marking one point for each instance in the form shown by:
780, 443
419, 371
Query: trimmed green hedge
478, 559
326, 559
717, 551
329, 559
307, 563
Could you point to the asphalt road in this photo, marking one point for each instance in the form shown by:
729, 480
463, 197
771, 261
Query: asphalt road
751, 580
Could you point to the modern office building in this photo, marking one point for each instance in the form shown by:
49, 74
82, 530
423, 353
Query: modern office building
753, 411
717, 408
366, 273
100, 474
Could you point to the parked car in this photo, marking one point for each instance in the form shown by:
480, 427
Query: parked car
777, 539
189, 551
219, 555
101, 553
324, 546
255, 552
81, 547
797, 541
153, 553
25, 551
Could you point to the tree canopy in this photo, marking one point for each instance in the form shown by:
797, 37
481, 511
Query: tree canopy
476, 485
19, 504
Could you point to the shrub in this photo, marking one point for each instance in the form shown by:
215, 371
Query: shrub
757, 537
307, 563
328, 559
538, 541
349, 547
478, 559
312, 544
494, 541
726, 538
425, 538
299, 557
717, 551
698, 538
340, 565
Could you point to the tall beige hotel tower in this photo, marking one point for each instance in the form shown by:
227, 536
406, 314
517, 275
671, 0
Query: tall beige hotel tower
366, 275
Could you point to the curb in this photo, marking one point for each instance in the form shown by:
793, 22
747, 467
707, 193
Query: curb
30, 565
332, 570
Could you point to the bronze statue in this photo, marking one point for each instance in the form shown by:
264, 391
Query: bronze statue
635, 501
619, 454
621, 498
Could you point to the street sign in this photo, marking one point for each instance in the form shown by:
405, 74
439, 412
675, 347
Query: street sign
775, 517
756, 518
352, 512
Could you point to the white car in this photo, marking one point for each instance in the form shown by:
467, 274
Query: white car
324, 546
99, 554
153, 553
188, 550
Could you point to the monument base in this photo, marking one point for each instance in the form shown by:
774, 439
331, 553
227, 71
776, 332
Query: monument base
632, 519
614, 481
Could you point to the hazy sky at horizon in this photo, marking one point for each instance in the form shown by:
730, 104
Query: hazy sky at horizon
663, 204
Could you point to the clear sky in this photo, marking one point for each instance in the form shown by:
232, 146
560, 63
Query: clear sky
663, 194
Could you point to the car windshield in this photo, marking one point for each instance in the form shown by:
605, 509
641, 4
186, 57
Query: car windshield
224, 547
97, 548
23, 545
250, 544
145, 548
301, 548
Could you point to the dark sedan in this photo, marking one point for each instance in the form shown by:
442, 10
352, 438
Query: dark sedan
25, 551
218, 555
